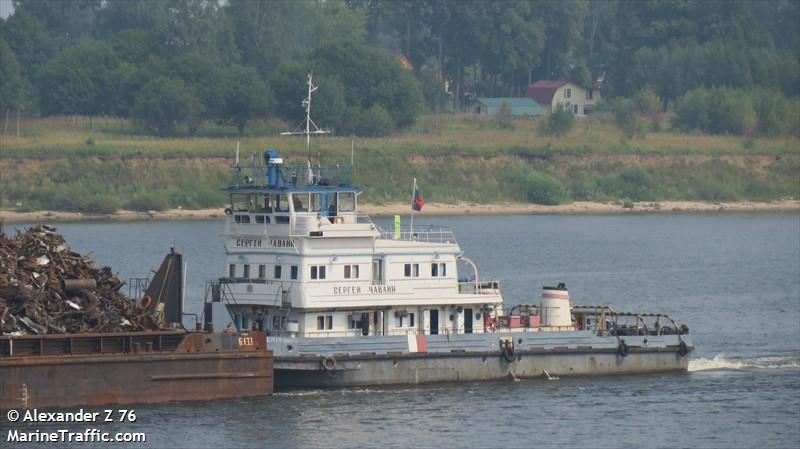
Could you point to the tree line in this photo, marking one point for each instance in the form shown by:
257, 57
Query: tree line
380, 63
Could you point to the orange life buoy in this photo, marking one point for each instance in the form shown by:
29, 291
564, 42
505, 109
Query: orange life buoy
145, 302
339, 219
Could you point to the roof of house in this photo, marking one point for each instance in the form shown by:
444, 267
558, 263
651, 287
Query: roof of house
519, 106
542, 91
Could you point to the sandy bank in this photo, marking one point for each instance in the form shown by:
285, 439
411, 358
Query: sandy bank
578, 207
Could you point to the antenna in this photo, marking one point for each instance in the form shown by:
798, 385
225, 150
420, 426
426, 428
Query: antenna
309, 125
237, 153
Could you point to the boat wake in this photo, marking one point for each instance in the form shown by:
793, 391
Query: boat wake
721, 362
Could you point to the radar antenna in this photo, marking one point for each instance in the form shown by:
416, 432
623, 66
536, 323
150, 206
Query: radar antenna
307, 128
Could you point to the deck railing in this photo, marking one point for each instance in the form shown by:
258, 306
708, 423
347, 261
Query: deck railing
422, 233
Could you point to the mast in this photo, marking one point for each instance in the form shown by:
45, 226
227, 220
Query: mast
309, 128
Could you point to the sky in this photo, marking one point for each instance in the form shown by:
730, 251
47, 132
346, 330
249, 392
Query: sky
6, 8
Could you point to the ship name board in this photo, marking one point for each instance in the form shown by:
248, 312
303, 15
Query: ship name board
249, 243
259, 243
281, 243
357, 290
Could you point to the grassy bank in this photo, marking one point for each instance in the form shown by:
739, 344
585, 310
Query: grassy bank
58, 164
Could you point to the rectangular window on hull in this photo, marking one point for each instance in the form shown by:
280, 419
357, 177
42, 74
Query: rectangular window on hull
262, 271
231, 271
293, 272
317, 272
351, 272
438, 269
278, 269
405, 321
324, 322
411, 270
246, 274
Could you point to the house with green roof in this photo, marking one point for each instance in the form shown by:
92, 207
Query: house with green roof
516, 106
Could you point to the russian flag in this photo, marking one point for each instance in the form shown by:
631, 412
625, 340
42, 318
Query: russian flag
418, 201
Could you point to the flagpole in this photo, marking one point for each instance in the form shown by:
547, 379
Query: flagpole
413, 197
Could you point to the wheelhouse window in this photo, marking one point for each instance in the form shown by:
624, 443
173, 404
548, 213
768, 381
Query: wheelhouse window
347, 202
262, 203
315, 203
300, 202
293, 272
278, 269
242, 202
317, 272
438, 269
279, 202
351, 272
411, 270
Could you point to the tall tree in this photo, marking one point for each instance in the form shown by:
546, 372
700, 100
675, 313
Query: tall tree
15, 90
78, 80
164, 103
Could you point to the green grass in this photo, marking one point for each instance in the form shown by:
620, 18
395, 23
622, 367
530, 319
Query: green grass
59, 164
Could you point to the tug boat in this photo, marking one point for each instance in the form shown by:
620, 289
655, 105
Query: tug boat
345, 302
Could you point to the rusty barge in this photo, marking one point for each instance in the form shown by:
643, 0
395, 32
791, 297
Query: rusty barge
68, 337
132, 367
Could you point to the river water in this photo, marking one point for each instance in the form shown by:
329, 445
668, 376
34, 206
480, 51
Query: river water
733, 278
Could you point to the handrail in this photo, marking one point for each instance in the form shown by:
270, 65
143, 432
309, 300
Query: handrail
424, 233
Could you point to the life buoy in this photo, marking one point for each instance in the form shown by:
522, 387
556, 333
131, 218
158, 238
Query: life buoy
508, 354
145, 302
228, 211
683, 349
328, 363
622, 349
338, 219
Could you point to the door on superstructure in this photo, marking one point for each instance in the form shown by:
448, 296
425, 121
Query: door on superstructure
434, 321
377, 271
467, 321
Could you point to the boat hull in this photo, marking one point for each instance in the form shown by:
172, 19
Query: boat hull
459, 364
93, 370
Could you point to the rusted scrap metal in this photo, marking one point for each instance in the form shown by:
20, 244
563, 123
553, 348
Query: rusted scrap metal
47, 288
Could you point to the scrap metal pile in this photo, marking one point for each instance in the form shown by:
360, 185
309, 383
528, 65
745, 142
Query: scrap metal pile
46, 288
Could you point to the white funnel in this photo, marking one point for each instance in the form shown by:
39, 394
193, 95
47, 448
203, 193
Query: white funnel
555, 308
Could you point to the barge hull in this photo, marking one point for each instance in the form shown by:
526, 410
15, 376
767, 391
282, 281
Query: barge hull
200, 367
426, 368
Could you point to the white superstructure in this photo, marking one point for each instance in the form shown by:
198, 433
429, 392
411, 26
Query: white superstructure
300, 258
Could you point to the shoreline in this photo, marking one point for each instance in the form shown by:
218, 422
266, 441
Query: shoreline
435, 209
